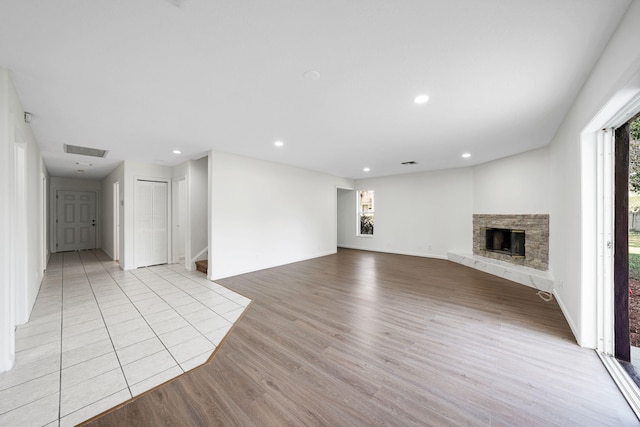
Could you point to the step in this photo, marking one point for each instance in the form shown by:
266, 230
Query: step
202, 266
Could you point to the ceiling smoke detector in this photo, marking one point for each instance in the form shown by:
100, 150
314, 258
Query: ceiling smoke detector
84, 151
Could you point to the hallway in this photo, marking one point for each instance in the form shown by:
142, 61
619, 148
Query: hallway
98, 336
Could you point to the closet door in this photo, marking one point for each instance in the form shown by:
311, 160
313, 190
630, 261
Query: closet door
151, 223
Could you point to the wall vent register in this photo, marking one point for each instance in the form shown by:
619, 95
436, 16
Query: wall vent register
84, 151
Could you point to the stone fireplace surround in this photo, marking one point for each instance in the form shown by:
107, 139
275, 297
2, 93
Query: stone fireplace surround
536, 228
530, 271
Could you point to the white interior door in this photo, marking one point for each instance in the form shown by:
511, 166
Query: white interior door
151, 223
75, 220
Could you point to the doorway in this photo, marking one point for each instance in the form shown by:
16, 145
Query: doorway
605, 239
75, 220
44, 245
622, 349
116, 221
180, 221
633, 214
20, 235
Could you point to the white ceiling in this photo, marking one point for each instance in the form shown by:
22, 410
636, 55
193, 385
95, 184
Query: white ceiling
142, 77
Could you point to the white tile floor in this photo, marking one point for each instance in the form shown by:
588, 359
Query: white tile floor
99, 336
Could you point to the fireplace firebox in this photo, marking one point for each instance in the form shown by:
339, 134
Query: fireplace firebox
505, 241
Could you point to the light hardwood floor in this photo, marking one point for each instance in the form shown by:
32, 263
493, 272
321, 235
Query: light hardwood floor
363, 338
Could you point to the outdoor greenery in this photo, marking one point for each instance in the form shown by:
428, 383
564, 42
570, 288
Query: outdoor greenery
634, 156
634, 197
366, 224
635, 129
634, 254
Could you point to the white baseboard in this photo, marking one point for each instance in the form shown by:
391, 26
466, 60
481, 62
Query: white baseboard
211, 277
570, 321
397, 252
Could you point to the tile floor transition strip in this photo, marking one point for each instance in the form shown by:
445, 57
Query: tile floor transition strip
99, 335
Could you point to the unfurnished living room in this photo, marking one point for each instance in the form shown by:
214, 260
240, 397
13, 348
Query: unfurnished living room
318, 213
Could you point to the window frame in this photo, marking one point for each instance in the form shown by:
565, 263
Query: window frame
360, 212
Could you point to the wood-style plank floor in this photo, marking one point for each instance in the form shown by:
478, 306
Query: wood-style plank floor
364, 338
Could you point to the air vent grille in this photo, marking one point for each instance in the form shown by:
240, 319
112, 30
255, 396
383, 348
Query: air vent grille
84, 151
410, 163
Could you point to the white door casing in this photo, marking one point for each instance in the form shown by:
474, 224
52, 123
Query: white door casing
75, 220
116, 221
180, 208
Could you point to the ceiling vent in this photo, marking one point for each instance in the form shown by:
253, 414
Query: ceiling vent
409, 163
84, 151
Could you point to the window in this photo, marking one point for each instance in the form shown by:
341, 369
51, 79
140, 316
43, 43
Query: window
365, 213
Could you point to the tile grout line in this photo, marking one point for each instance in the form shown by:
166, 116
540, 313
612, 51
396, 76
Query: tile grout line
61, 335
71, 282
189, 277
172, 307
175, 309
30, 379
144, 283
105, 325
142, 315
196, 300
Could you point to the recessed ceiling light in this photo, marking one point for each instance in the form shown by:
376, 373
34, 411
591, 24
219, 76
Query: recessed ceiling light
177, 152
466, 155
366, 169
278, 143
421, 99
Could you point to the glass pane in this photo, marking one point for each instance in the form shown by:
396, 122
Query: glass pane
366, 201
366, 224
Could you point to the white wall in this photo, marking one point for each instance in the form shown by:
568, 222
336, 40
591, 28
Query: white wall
198, 201
18, 291
266, 214
55, 184
117, 175
571, 252
7, 300
132, 171
180, 214
423, 214
514, 185
196, 175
